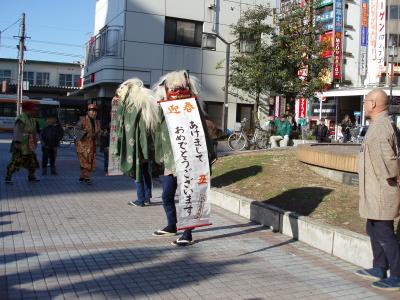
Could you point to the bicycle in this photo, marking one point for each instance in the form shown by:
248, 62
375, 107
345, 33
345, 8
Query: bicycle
239, 140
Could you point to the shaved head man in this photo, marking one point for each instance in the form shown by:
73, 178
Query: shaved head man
378, 169
375, 102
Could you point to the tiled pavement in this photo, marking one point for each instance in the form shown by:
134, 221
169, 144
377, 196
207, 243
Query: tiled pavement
63, 240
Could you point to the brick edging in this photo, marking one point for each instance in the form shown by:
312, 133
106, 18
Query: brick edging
345, 244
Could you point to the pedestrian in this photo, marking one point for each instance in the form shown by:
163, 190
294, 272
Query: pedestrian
379, 185
321, 132
283, 131
24, 143
87, 131
173, 86
346, 125
138, 117
105, 145
212, 133
51, 136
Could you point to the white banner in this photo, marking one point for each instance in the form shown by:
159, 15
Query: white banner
191, 159
113, 160
372, 63
381, 36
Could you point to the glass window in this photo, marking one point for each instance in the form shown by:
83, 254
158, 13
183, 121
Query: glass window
29, 76
394, 12
42, 78
76, 80
65, 80
5, 75
183, 32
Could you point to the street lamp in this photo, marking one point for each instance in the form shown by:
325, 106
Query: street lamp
393, 52
209, 41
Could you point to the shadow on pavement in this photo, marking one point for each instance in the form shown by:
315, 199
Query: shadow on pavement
4, 234
235, 175
231, 234
8, 213
138, 271
270, 247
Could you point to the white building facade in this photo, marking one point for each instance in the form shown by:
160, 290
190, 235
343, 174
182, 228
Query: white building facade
148, 38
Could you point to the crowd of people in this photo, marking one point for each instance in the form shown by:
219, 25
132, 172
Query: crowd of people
144, 149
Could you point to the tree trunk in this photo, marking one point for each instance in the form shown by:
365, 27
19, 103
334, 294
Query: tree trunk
256, 109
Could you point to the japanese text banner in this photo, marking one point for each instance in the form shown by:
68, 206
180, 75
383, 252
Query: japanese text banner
191, 159
113, 160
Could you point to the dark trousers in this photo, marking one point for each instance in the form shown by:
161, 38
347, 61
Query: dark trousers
18, 160
49, 153
169, 185
385, 246
105, 153
143, 188
168, 197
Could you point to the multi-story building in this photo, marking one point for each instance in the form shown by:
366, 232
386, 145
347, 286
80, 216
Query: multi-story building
146, 39
46, 79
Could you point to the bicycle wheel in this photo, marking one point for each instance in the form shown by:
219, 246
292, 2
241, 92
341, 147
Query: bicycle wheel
236, 141
261, 142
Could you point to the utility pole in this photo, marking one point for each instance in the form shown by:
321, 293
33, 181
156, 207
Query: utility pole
21, 49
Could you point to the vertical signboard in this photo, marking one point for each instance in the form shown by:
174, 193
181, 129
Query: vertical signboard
363, 38
337, 45
373, 67
381, 40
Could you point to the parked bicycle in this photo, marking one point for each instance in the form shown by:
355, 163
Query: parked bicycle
69, 135
239, 140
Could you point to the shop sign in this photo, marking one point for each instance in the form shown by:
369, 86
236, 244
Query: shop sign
338, 15
337, 52
380, 43
327, 38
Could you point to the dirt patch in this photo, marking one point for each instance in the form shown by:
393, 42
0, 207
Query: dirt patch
278, 178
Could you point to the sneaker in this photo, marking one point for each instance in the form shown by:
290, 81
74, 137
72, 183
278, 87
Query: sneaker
8, 180
388, 284
88, 181
147, 202
81, 179
372, 274
182, 242
167, 231
33, 179
136, 203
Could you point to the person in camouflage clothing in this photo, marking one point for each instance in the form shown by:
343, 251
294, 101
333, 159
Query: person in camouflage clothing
24, 143
87, 131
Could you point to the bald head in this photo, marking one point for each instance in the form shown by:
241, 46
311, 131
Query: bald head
375, 102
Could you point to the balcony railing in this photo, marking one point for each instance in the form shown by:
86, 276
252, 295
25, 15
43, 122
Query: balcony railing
106, 43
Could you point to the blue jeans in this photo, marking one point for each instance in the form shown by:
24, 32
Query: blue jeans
169, 185
143, 188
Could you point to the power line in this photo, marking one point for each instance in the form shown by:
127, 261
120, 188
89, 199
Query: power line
48, 42
45, 51
10, 26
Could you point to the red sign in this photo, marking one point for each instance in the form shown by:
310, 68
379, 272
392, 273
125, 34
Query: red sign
302, 108
326, 39
337, 55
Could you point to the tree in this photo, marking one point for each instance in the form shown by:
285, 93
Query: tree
248, 69
295, 48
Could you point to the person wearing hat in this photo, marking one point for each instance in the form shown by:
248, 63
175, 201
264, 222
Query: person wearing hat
24, 143
87, 130
283, 131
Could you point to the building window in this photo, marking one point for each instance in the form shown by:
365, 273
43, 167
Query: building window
183, 32
394, 12
29, 76
65, 80
77, 80
5, 75
42, 78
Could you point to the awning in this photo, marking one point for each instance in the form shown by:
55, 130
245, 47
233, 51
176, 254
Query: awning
356, 92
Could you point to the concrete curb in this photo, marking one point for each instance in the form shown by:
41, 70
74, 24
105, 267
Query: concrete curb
345, 244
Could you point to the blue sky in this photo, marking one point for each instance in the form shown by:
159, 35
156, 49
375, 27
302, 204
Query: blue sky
53, 26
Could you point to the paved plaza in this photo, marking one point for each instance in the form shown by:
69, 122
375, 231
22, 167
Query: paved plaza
60, 239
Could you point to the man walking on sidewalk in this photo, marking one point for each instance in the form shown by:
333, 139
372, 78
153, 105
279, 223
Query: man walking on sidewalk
87, 131
379, 176
24, 143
